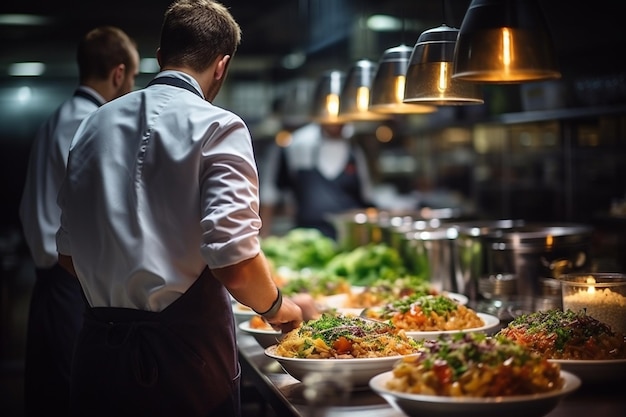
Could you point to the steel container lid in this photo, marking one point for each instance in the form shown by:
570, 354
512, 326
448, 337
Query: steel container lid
485, 227
539, 236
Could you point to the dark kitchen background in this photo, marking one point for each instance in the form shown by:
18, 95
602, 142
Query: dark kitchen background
550, 151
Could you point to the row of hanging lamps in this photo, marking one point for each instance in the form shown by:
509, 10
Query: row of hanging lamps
504, 41
355, 97
326, 96
389, 84
429, 73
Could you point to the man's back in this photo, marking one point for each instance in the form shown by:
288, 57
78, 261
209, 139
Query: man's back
38, 210
139, 184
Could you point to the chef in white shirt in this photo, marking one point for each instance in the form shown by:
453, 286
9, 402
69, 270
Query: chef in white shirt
108, 62
160, 224
323, 172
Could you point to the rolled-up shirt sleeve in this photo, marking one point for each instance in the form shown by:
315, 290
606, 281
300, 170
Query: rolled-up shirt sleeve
229, 198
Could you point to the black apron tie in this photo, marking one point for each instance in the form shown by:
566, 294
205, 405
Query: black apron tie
176, 82
86, 95
133, 335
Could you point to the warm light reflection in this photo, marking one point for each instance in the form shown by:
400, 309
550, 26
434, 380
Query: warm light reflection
591, 289
362, 99
400, 82
506, 48
332, 104
283, 138
442, 84
549, 241
384, 133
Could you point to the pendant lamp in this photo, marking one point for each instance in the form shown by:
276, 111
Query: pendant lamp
504, 41
325, 107
355, 97
389, 82
295, 107
429, 74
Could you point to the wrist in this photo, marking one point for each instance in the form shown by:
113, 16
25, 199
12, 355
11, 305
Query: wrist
275, 307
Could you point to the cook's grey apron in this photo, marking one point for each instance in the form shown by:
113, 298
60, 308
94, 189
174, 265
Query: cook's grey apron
318, 196
181, 361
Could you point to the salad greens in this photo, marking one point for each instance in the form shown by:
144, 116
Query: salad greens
300, 248
315, 260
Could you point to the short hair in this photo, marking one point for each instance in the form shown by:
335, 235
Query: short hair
101, 50
196, 32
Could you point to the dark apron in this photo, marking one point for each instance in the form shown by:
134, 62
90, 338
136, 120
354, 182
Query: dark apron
178, 362
318, 196
55, 317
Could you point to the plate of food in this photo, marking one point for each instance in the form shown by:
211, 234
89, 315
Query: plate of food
242, 312
474, 374
384, 291
262, 332
428, 316
595, 371
353, 347
490, 323
578, 342
355, 301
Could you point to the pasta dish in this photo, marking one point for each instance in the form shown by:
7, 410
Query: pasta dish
385, 291
558, 334
345, 337
427, 313
474, 365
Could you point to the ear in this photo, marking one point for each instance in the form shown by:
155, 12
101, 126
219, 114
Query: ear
220, 68
158, 56
118, 74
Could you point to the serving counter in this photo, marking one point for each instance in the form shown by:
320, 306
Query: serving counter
290, 397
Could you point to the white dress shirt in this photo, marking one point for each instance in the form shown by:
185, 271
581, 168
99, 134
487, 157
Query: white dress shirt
160, 184
38, 210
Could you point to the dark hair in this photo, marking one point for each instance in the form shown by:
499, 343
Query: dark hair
195, 32
101, 50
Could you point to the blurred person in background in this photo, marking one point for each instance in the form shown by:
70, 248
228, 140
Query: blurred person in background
108, 62
160, 224
322, 170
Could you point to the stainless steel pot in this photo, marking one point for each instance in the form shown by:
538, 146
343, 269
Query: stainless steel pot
470, 254
360, 227
537, 251
427, 252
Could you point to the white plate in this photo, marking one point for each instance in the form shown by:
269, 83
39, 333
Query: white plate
414, 405
595, 371
265, 337
242, 313
337, 302
460, 298
358, 371
491, 323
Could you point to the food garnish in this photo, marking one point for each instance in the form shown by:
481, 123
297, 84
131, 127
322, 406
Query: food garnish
559, 334
344, 336
474, 365
427, 313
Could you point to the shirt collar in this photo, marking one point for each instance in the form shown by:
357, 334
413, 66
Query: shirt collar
183, 76
92, 92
